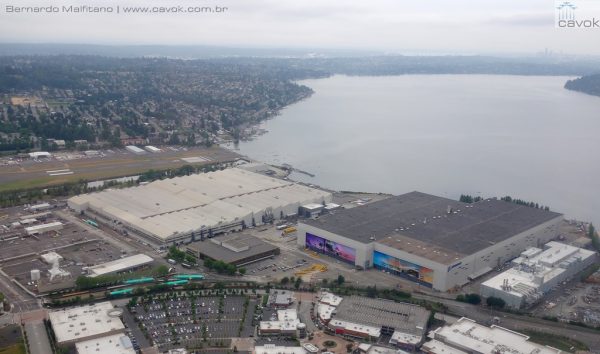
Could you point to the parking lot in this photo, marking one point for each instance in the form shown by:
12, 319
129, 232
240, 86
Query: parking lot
192, 319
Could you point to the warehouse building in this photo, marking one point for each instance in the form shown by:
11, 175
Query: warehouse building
466, 336
434, 241
86, 322
537, 271
120, 265
113, 344
369, 319
43, 228
194, 207
236, 249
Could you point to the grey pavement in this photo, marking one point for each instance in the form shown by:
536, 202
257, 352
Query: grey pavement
37, 338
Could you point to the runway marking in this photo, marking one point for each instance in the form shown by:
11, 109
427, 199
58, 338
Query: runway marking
58, 171
61, 173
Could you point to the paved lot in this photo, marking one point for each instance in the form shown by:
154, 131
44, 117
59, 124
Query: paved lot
192, 317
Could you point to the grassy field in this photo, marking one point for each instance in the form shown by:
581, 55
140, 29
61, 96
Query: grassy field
559, 342
14, 349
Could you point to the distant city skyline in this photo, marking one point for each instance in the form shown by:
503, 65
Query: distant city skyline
389, 26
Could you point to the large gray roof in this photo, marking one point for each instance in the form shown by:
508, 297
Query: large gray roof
424, 218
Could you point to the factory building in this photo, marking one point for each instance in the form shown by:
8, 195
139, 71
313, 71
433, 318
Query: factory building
236, 249
120, 265
369, 319
83, 323
113, 344
466, 336
43, 228
537, 271
437, 242
199, 206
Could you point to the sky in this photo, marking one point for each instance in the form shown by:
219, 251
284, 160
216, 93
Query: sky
391, 26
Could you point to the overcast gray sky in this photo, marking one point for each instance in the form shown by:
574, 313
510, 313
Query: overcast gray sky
434, 26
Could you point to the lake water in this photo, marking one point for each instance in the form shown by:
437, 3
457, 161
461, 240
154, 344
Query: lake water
484, 135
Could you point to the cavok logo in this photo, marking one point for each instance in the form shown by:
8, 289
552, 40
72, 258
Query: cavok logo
580, 14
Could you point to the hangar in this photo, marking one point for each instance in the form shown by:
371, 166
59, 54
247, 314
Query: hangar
193, 207
437, 242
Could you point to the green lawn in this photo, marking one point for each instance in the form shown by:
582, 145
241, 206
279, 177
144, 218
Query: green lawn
558, 342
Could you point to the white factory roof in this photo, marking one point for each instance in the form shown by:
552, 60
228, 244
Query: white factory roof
330, 299
535, 267
274, 349
180, 205
42, 227
466, 333
80, 323
355, 327
119, 265
114, 344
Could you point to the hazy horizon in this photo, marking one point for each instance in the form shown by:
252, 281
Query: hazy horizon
386, 26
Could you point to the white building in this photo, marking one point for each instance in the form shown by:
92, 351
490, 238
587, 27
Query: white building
287, 323
434, 241
152, 149
42, 228
134, 149
85, 322
536, 272
198, 206
277, 349
120, 265
39, 154
114, 344
466, 336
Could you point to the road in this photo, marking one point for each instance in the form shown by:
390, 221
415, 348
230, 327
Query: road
20, 300
38, 338
589, 337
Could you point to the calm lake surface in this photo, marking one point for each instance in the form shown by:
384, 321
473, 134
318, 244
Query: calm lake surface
484, 135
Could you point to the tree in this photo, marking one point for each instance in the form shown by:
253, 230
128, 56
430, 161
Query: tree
495, 302
242, 270
297, 283
474, 299
161, 271
340, 279
372, 291
285, 280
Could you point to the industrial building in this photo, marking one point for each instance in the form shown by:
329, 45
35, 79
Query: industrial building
43, 228
287, 324
113, 344
370, 319
236, 249
537, 271
466, 336
120, 265
434, 241
86, 322
194, 207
